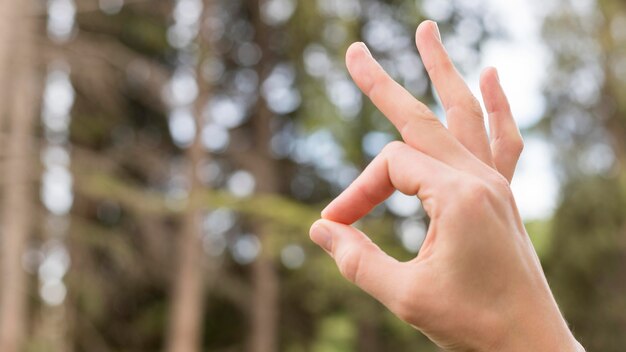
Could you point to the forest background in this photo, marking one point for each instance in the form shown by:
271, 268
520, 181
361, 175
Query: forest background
162, 161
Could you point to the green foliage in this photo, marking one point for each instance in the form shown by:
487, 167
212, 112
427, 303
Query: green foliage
587, 255
587, 251
540, 232
336, 333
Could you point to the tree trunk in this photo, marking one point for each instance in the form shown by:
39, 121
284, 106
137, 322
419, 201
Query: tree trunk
265, 280
186, 316
265, 286
187, 304
17, 202
8, 18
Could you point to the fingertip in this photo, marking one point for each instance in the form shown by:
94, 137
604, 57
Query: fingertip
496, 74
427, 30
315, 224
326, 232
344, 210
484, 78
334, 215
356, 51
324, 212
361, 65
320, 234
490, 88
364, 48
489, 75
330, 226
324, 223
486, 72
427, 25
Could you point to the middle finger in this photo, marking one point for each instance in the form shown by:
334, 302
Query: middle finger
418, 126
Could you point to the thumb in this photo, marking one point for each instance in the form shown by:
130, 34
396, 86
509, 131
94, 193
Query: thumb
361, 261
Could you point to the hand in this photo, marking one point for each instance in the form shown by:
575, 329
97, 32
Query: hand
476, 283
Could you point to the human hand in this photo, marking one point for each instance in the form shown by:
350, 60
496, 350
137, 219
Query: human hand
476, 283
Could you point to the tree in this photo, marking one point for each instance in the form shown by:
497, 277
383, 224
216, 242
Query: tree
187, 302
17, 202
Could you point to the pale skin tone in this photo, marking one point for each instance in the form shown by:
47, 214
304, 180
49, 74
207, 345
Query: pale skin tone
476, 284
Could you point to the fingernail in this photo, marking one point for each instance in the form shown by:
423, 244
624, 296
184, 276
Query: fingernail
323, 212
365, 48
437, 33
321, 236
497, 75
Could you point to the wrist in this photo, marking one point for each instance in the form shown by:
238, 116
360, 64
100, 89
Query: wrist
543, 331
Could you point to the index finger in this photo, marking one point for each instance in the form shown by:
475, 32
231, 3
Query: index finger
399, 167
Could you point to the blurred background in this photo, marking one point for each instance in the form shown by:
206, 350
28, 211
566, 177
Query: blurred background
162, 161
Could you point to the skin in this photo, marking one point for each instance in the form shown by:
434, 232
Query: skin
476, 284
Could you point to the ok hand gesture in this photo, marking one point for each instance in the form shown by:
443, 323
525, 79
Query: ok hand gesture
477, 284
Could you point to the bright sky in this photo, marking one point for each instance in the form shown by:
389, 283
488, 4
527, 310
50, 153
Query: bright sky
521, 60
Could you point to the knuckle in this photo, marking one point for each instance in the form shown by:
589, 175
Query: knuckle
475, 188
428, 117
430, 65
473, 194
367, 193
351, 263
392, 148
467, 107
408, 304
423, 119
498, 181
499, 186
371, 89
405, 307
505, 106
503, 188
474, 108
479, 195
514, 146
511, 146
439, 67
518, 144
422, 111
